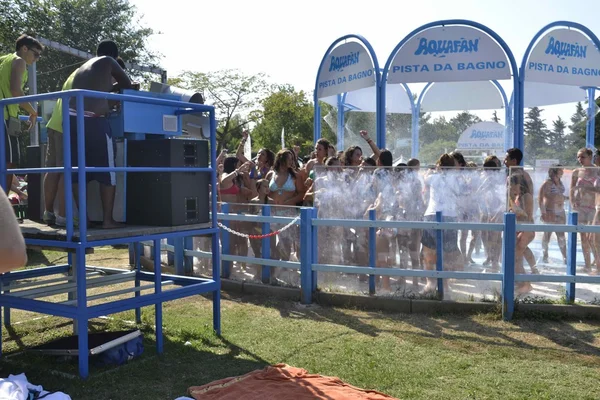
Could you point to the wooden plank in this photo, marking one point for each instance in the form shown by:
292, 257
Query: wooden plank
36, 230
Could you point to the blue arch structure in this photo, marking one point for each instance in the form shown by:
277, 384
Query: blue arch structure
520, 106
341, 97
483, 28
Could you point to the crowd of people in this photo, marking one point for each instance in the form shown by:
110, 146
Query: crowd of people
341, 184
349, 185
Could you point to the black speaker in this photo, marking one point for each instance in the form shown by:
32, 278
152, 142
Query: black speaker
167, 198
34, 184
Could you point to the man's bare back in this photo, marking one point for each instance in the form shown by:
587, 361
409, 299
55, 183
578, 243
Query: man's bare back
97, 74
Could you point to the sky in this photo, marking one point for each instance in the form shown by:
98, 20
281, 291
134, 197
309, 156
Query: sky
287, 40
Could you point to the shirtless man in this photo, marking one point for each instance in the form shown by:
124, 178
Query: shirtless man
97, 74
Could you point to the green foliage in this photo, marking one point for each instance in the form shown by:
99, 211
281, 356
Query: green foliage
578, 127
81, 24
285, 109
430, 152
535, 134
235, 96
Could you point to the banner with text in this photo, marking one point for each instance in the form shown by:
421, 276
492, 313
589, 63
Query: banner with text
449, 54
348, 67
564, 57
485, 135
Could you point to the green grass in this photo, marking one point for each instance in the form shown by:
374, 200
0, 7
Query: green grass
406, 356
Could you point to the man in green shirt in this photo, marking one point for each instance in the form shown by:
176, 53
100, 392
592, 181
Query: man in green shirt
13, 75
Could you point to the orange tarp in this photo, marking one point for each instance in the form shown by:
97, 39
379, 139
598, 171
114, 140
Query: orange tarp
282, 382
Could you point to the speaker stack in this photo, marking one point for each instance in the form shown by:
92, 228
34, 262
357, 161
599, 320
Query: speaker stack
167, 198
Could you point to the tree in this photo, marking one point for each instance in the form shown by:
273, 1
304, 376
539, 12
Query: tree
285, 109
81, 24
576, 139
233, 94
535, 133
462, 121
556, 137
430, 152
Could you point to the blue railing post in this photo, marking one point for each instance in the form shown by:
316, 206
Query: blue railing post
225, 244
372, 251
3, 134
571, 257
439, 250
509, 242
306, 255
138, 269
158, 316
188, 261
266, 246
315, 249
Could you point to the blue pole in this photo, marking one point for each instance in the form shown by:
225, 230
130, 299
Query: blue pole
266, 246
3, 134
138, 268
372, 251
571, 257
317, 122
509, 243
591, 116
67, 162
225, 245
439, 249
158, 289
216, 255
81, 178
306, 255
340, 122
81, 320
508, 124
315, 249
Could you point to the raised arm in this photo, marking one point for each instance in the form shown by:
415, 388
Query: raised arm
120, 76
240, 150
371, 143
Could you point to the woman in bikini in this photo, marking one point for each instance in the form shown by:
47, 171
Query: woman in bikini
235, 188
583, 200
551, 200
285, 190
520, 202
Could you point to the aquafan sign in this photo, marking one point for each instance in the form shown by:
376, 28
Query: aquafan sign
449, 54
348, 67
564, 57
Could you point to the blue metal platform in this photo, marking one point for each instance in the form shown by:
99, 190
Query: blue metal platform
76, 278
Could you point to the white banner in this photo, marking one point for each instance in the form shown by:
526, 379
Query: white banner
485, 135
348, 67
449, 54
564, 57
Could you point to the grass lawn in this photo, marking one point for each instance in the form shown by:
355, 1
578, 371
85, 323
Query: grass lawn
406, 356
